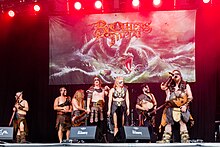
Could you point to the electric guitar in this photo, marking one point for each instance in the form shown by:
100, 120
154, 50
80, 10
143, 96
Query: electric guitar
148, 114
78, 120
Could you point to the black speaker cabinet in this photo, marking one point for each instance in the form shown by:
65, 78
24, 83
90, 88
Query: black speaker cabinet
6, 133
133, 133
83, 133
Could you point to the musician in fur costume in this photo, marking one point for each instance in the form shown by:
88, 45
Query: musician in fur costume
79, 113
146, 104
96, 100
95, 106
178, 97
20, 125
63, 106
118, 104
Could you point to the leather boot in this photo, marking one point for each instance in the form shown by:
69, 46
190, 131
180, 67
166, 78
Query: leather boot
166, 137
18, 138
184, 137
23, 137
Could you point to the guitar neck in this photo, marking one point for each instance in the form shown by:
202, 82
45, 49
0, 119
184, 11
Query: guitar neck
158, 108
12, 117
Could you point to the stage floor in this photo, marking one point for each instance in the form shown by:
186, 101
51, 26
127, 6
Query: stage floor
113, 144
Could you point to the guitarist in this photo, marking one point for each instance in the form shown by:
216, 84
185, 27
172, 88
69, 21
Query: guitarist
146, 103
20, 125
177, 92
79, 113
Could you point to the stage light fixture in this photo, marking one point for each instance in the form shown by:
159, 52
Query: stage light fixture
36, 8
156, 3
206, 1
135, 3
98, 4
77, 5
11, 13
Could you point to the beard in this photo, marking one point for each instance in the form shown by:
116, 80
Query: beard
146, 91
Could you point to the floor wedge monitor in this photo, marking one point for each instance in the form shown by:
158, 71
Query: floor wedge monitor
84, 133
136, 133
6, 133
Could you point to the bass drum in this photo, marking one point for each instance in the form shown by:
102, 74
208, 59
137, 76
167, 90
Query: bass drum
177, 99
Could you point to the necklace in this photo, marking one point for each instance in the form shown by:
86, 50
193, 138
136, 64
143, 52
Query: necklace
120, 94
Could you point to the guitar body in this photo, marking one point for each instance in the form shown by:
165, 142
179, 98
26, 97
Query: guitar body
79, 120
149, 106
177, 99
101, 103
147, 115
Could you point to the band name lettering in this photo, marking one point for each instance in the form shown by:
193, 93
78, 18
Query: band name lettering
118, 30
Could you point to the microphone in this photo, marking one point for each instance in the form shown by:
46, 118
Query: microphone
171, 73
174, 76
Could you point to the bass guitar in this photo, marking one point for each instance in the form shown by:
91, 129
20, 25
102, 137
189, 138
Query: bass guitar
79, 120
150, 113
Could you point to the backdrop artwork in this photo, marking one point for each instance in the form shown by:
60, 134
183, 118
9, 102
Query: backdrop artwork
141, 47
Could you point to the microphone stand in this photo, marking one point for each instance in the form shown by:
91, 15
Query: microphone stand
13, 114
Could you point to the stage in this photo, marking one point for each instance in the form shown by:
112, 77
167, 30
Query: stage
114, 144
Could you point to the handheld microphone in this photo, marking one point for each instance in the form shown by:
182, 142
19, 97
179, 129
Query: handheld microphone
174, 76
171, 73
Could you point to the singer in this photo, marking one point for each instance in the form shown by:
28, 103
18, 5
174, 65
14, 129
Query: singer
173, 75
20, 125
178, 97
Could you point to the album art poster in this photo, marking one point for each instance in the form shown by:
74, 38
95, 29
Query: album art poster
141, 47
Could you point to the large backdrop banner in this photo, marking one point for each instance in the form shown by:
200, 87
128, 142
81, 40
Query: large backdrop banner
141, 47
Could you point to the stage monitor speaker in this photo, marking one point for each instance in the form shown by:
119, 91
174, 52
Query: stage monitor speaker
83, 133
136, 133
6, 133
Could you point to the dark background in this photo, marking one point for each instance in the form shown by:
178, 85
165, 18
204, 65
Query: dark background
24, 54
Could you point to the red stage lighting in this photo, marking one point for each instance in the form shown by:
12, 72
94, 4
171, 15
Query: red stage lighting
206, 1
36, 8
77, 5
135, 3
11, 13
98, 4
156, 3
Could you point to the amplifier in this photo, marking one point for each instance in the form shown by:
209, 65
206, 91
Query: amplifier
136, 133
6, 133
83, 132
